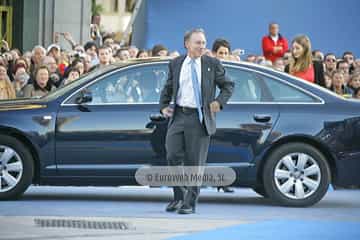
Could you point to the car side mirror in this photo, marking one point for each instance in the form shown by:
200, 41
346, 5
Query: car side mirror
84, 97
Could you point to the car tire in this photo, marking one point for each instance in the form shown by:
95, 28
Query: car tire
296, 175
261, 191
16, 168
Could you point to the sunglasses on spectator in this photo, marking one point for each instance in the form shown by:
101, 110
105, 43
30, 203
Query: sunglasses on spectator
331, 60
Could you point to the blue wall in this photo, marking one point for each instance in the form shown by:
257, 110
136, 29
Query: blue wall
140, 24
332, 25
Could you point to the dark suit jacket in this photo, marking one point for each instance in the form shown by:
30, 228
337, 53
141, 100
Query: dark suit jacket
212, 75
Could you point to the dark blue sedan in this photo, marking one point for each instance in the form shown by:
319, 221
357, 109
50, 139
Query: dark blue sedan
285, 138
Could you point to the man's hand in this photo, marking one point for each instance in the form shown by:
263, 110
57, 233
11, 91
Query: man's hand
278, 49
8, 56
215, 107
67, 36
167, 112
5, 45
56, 37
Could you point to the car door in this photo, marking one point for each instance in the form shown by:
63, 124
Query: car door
244, 126
112, 134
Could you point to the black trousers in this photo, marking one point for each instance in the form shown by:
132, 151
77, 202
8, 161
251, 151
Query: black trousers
187, 144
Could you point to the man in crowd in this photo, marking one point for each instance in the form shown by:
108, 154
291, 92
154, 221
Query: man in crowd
133, 51
274, 45
52, 66
318, 55
330, 63
38, 53
104, 56
350, 59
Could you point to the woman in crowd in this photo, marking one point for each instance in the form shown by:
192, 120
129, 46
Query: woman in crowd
41, 86
330, 63
159, 50
23, 61
354, 82
328, 80
71, 75
21, 79
142, 54
79, 64
338, 84
357, 93
357, 65
6, 88
221, 50
279, 64
302, 64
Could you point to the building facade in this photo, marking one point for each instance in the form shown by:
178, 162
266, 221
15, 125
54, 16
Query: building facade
26, 23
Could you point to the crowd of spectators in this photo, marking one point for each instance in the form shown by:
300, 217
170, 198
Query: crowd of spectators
40, 71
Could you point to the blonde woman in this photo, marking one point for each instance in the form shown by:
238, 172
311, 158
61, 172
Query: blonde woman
302, 64
7, 90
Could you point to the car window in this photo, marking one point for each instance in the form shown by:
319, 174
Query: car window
282, 92
136, 85
83, 79
248, 88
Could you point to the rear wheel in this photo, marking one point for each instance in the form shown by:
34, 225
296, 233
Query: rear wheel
16, 168
296, 175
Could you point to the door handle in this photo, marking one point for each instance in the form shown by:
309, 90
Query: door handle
262, 118
157, 117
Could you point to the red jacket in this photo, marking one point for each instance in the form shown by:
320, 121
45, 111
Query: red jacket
268, 47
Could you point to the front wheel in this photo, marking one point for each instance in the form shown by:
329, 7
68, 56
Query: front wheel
296, 175
261, 191
16, 168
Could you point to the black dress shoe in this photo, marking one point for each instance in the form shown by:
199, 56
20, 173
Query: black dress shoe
174, 205
225, 189
186, 209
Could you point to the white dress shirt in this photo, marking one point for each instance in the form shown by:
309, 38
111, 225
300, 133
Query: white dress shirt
186, 96
275, 39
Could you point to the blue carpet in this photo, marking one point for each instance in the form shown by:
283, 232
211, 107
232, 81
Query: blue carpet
282, 230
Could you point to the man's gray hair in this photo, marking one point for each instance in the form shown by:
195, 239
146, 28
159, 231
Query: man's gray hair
273, 23
38, 47
191, 32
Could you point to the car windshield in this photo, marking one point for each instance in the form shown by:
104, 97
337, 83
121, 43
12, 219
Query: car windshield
62, 90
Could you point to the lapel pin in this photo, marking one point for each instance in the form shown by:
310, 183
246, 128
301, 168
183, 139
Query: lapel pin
208, 69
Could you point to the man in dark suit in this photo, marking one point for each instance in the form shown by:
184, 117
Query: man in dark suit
191, 84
